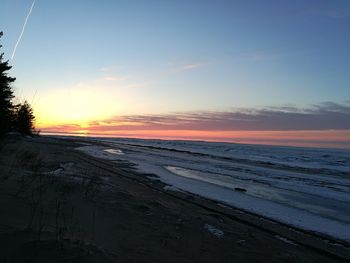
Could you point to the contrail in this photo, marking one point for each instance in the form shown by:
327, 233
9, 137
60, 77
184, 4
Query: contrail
23, 28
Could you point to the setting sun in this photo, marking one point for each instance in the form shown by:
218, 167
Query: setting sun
75, 106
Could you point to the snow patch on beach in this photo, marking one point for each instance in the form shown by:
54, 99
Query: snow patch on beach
214, 231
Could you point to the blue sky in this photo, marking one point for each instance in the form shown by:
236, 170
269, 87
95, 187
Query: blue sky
159, 57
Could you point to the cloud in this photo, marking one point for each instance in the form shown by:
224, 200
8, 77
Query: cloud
111, 78
192, 66
324, 116
323, 125
23, 28
110, 69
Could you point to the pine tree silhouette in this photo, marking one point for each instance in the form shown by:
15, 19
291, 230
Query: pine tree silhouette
25, 119
6, 96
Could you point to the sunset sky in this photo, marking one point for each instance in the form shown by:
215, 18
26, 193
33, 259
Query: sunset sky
275, 72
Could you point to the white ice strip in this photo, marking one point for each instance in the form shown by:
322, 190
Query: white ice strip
289, 215
286, 240
99, 152
333, 208
114, 151
329, 208
331, 186
154, 161
332, 159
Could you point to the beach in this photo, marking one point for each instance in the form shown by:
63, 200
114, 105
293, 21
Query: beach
63, 202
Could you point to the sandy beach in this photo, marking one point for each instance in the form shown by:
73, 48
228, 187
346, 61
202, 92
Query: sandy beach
59, 204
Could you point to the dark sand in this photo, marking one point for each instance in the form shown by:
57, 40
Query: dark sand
59, 205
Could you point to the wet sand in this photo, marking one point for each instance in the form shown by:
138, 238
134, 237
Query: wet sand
59, 205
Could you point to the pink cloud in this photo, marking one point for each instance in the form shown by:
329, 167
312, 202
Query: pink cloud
327, 125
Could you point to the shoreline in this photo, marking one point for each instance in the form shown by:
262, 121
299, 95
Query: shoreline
99, 136
188, 175
315, 240
138, 196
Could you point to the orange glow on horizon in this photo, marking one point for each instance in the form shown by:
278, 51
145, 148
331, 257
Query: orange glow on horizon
311, 138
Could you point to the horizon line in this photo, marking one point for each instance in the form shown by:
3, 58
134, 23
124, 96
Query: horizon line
331, 145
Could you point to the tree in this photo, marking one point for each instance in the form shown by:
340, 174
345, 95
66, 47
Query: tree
25, 118
6, 95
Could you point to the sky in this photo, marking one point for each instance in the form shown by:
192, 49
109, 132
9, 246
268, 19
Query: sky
273, 72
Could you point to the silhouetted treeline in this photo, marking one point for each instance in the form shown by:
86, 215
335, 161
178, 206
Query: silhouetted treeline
20, 117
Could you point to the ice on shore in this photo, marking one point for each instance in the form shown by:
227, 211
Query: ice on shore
114, 151
306, 188
101, 152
